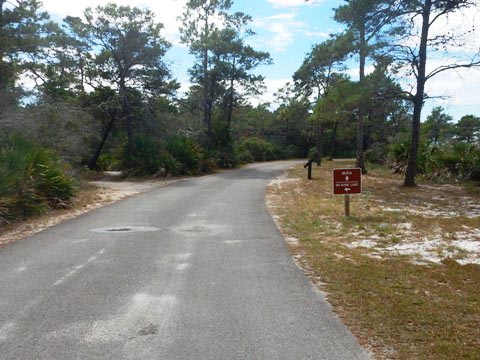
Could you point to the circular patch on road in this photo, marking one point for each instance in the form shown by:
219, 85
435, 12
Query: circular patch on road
124, 229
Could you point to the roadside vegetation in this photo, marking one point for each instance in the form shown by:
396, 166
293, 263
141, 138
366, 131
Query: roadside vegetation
403, 272
103, 97
32, 181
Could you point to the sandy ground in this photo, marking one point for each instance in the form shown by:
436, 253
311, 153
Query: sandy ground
99, 194
433, 203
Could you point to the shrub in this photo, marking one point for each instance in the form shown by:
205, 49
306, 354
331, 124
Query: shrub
377, 154
169, 164
259, 149
244, 157
186, 152
460, 161
31, 180
144, 156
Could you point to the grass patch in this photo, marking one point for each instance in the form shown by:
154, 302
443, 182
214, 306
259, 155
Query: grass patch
399, 304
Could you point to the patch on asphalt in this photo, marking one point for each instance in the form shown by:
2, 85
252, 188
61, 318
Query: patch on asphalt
150, 329
124, 229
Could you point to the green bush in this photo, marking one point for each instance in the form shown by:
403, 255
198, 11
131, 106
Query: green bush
459, 161
170, 165
259, 149
291, 151
144, 157
186, 152
31, 180
377, 154
244, 157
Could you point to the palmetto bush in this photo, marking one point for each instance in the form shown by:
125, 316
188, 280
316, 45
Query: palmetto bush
31, 180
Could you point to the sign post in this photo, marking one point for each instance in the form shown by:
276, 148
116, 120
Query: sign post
347, 205
347, 182
309, 166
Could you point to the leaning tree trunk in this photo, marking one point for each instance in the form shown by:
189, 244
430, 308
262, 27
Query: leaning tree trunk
93, 162
419, 97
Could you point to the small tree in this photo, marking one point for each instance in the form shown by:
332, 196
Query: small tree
468, 129
369, 23
319, 72
22, 37
438, 126
423, 15
201, 34
129, 51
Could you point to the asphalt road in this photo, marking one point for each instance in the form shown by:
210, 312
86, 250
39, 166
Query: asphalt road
205, 276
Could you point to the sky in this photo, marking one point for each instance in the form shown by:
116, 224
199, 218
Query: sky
288, 29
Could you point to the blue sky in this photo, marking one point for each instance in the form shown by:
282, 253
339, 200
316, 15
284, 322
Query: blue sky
288, 29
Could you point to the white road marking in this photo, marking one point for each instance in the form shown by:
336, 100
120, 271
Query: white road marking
233, 241
79, 241
21, 269
182, 266
77, 268
184, 256
6, 330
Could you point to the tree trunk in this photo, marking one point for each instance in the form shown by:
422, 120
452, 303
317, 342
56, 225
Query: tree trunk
206, 88
129, 122
93, 162
419, 97
3, 70
319, 143
360, 163
334, 138
230, 104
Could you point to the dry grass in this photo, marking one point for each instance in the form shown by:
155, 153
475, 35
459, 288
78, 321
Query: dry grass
393, 271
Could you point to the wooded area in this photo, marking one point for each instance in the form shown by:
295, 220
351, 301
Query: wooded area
103, 96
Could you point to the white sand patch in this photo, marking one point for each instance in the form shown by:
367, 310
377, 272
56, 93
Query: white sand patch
425, 250
405, 226
466, 249
369, 244
471, 235
435, 213
389, 209
291, 240
282, 180
432, 211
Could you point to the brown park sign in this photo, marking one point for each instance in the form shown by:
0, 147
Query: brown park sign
347, 181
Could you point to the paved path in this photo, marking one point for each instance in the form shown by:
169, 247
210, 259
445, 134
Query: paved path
214, 280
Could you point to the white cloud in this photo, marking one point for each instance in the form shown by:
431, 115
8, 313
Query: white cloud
272, 86
460, 87
292, 3
283, 28
462, 25
166, 11
317, 34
